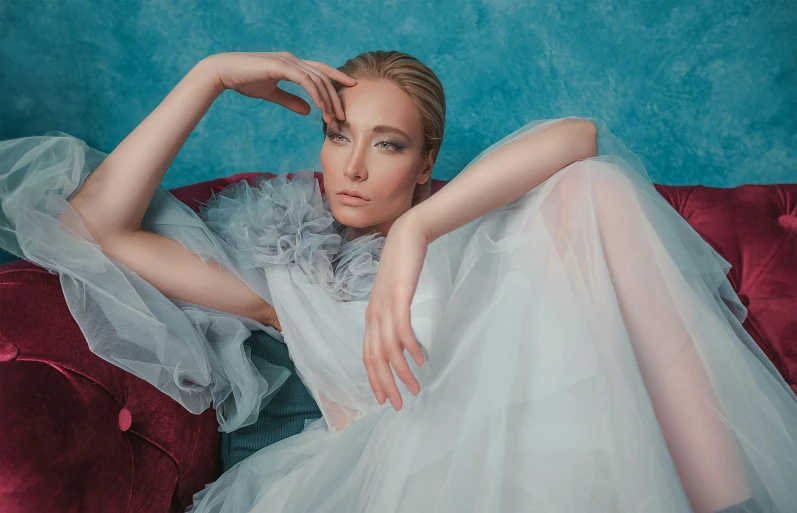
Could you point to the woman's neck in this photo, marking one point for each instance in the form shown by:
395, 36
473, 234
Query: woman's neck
354, 233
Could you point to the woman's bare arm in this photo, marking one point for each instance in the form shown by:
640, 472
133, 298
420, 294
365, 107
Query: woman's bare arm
506, 174
115, 196
180, 274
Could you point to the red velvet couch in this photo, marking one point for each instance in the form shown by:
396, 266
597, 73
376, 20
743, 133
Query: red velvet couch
81, 435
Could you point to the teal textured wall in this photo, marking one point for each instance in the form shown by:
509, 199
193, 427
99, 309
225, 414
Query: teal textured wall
702, 91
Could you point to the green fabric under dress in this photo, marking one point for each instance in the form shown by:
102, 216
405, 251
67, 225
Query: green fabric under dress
282, 417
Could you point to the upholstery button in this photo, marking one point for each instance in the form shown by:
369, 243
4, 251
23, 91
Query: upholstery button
787, 221
8, 352
125, 419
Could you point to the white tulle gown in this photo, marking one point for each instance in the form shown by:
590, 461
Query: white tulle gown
584, 347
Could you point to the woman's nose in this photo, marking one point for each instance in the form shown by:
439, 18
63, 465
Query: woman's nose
355, 173
355, 167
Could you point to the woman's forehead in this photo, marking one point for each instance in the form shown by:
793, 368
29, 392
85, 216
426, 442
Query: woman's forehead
373, 103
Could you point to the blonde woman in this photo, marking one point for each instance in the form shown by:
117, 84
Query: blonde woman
545, 333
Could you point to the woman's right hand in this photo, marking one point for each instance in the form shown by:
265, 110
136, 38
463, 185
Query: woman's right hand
256, 75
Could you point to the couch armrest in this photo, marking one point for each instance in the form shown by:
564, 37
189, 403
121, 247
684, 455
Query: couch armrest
111, 441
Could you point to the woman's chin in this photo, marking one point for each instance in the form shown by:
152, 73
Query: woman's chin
352, 221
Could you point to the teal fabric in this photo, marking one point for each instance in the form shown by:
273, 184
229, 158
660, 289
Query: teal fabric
282, 417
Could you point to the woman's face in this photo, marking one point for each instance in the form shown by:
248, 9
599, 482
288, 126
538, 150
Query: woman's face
375, 152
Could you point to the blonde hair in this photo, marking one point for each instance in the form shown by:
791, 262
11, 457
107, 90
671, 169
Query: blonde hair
421, 85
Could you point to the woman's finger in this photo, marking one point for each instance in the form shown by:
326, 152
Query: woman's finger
403, 371
411, 343
369, 367
389, 347
303, 78
386, 380
290, 101
399, 362
381, 369
378, 394
334, 99
334, 73
320, 82
338, 105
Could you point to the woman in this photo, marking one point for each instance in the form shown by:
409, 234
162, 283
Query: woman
573, 344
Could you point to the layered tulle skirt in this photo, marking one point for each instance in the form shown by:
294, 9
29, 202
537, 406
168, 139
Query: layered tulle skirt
586, 355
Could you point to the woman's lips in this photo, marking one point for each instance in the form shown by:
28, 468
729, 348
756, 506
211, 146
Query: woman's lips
351, 200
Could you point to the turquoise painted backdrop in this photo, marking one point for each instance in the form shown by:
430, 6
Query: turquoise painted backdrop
703, 92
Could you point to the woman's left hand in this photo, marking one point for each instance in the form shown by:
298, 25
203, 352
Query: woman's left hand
387, 317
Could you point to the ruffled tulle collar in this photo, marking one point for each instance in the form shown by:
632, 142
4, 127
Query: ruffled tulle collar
281, 221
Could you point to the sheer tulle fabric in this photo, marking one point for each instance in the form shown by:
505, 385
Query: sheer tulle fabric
192, 353
584, 353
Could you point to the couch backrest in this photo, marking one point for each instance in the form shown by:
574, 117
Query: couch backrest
753, 226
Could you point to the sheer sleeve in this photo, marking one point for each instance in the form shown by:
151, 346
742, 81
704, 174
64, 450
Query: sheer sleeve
192, 353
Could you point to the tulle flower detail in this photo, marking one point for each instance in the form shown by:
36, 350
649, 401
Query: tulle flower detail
356, 265
280, 221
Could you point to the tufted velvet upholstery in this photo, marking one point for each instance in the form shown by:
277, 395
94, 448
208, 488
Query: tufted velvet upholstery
755, 228
81, 435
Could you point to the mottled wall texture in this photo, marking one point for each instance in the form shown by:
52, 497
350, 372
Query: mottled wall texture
703, 92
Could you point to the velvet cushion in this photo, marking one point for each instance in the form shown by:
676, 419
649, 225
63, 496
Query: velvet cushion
79, 434
283, 416
755, 228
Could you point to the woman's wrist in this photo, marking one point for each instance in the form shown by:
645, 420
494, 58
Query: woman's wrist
415, 222
207, 70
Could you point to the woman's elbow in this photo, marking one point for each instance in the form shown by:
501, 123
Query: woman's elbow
581, 136
591, 137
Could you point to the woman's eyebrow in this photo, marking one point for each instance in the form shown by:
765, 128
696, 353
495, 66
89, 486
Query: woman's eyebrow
381, 129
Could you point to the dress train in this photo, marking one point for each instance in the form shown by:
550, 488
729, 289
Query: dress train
587, 355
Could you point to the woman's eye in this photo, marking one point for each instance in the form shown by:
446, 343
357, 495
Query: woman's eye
391, 146
333, 136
